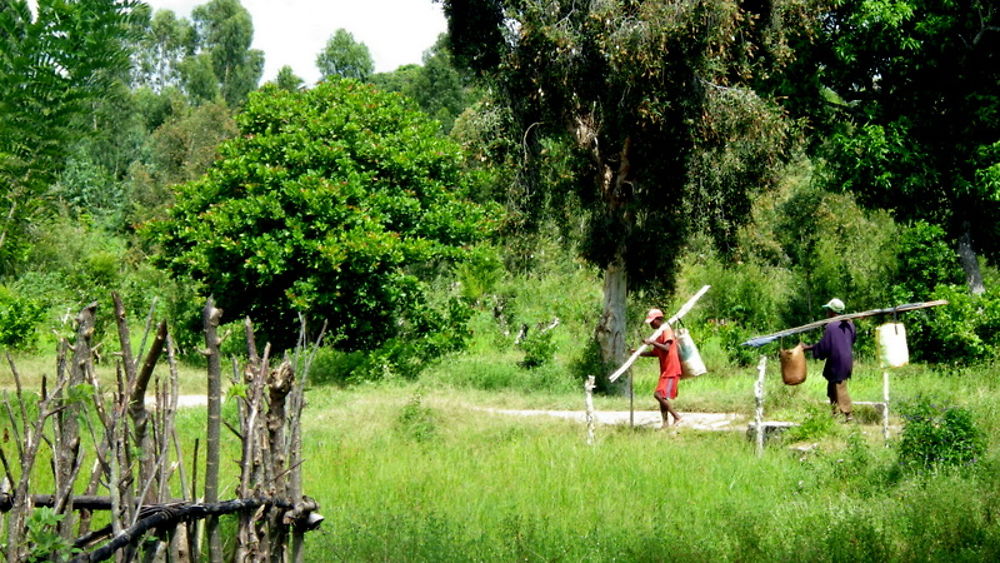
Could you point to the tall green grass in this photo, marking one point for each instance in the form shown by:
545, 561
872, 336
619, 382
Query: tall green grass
489, 487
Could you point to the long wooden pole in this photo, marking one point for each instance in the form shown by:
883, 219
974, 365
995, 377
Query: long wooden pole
677, 316
885, 406
758, 341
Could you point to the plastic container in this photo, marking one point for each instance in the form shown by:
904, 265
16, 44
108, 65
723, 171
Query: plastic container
793, 365
691, 364
892, 350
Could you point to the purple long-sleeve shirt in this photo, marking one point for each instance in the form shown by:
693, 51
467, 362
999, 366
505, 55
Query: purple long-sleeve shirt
836, 348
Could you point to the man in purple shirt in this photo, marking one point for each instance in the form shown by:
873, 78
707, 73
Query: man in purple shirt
836, 347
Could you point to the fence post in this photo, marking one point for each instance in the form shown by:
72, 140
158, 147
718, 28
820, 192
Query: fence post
758, 391
885, 406
589, 388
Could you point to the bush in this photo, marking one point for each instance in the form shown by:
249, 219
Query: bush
19, 318
965, 331
818, 423
938, 436
925, 262
332, 366
538, 349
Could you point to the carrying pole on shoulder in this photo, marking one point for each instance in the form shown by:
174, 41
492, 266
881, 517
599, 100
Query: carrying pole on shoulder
677, 316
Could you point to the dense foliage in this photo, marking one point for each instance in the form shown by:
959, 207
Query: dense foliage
907, 92
54, 62
344, 57
657, 101
338, 202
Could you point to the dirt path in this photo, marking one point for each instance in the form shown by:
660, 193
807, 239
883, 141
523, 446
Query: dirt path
696, 420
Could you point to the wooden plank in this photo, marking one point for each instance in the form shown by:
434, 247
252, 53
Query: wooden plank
677, 316
766, 339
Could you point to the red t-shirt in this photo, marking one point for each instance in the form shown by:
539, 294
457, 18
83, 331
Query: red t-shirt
670, 361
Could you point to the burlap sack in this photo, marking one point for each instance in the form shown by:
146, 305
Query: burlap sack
793, 365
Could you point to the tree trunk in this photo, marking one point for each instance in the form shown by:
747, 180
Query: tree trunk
211, 317
967, 255
610, 331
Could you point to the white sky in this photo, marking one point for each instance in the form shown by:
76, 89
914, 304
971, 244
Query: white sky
293, 32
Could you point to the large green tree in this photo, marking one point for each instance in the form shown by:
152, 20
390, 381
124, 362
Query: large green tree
909, 94
440, 89
162, 42
345, 58
224, 30
207, 57
339, 202
656, 99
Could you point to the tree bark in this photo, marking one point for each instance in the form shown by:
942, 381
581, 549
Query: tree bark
211, 317
68, 436
610, 332
970, 263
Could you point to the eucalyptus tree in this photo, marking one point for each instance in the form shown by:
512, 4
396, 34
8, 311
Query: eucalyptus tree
288, 80
224, 31
344, 57
442, 90
656, 100
163, 41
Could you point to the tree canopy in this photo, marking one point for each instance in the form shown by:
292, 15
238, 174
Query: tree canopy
338, 202
908, 94
657, 99
345, 57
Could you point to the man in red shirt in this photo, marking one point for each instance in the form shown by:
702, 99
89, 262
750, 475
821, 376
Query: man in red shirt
665, 348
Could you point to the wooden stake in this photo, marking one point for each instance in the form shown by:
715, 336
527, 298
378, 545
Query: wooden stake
885, 406
758, 391
211, 317
589, 389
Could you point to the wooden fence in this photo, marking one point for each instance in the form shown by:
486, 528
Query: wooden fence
135, 461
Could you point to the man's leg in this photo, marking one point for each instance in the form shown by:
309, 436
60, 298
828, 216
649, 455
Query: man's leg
664, 408
844, 404
831, 394
668, 389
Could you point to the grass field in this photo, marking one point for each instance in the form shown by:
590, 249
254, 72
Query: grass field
416, 472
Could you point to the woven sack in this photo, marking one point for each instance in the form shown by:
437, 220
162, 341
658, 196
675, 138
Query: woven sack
793, 365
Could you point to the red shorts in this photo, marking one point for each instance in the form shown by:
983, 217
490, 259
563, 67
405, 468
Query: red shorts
667, 387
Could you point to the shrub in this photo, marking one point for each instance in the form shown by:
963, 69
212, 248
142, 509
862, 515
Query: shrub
938, 436
538, 349
333, 366
925, 261
966, 330
818, 423
18, 318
